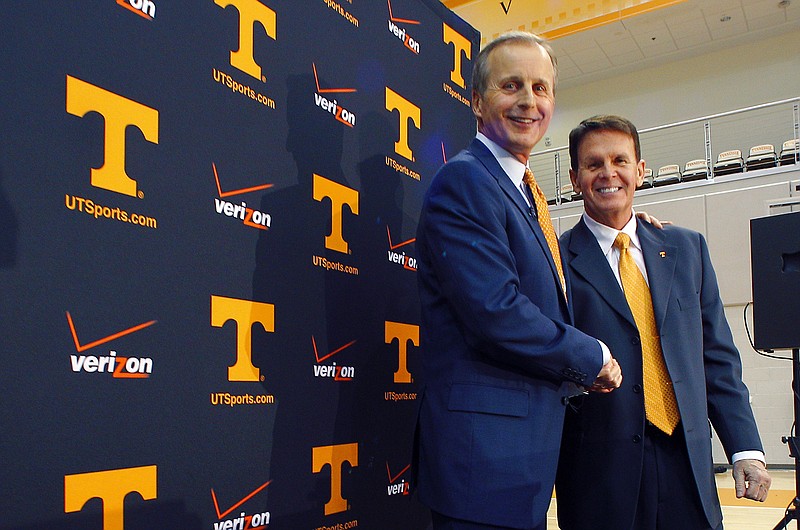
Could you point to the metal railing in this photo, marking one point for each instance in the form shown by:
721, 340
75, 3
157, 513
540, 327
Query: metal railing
680, 142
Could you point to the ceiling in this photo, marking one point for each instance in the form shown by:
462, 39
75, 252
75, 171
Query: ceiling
629, 38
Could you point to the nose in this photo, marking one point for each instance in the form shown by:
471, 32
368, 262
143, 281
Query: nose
526, 97
607, 169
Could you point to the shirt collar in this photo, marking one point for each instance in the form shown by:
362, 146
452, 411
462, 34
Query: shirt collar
513, 167
606, 235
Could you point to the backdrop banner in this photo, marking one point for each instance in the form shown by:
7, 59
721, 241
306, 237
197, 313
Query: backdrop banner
209, 315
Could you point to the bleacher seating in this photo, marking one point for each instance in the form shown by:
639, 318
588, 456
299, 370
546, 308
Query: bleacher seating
670, 174
761, 156
728, 162
789, 152
695, 170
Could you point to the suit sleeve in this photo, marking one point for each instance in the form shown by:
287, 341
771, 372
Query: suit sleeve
486, 264
728, 398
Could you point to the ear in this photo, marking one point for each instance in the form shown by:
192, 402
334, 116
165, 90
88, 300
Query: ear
639, 173
576, 188
476, 105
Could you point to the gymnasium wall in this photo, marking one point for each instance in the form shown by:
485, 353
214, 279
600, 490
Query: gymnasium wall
730, 78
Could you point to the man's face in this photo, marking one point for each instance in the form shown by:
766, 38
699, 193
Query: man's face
518, 102
608, 174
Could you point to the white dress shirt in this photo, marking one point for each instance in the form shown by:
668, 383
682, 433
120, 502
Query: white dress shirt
513, 168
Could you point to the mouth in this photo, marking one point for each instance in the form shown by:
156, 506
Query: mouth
523, 121
608, 190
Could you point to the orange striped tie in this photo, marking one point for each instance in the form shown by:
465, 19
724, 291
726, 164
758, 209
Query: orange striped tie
660, 405
545, 223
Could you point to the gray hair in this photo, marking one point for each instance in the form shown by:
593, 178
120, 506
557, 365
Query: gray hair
480, 73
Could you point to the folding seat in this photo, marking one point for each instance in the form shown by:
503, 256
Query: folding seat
789, 152
566, 192
666, 175
695, 170
761, 156
729, 162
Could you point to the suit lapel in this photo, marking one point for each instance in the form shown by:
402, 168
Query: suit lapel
660, 259
587, 260
486, 157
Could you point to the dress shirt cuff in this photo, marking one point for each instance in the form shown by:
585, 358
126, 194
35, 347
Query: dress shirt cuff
748, 455
606, 353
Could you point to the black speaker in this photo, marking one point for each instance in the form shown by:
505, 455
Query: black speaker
775, 263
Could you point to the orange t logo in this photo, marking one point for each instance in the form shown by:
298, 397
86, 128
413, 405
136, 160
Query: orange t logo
403, 333
111, 487
250, 12
118, 113
335, 456
461, 45
244, 313
406, 111
339, 196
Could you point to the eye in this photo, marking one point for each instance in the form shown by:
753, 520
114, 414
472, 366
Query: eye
511, 86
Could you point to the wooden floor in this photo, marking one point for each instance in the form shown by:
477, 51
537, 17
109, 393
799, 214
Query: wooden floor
741, 514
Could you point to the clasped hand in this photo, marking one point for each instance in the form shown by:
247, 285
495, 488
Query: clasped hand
609, 378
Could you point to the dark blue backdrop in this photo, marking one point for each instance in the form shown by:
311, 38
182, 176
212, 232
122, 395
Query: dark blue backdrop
255, 212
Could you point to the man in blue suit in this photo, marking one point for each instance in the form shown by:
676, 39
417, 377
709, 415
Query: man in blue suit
623, 464
499, 350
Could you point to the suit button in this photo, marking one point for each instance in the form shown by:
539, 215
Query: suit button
637, 389
636, 438
635, 341
565, 401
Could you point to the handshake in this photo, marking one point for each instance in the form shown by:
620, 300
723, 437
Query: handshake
609, 378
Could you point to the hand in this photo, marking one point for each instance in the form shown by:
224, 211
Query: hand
752, 480
609, 378
644, 216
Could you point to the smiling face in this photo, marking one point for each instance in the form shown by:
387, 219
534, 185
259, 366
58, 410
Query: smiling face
607, 176
515, 108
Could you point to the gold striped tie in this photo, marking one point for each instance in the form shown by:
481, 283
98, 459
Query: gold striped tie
545, 223
660, 405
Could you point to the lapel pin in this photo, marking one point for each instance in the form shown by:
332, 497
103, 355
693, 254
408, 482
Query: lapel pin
662, 254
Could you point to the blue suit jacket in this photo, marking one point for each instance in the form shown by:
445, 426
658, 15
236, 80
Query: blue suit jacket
601, 459
497, 349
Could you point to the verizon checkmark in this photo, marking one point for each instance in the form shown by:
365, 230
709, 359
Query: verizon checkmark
393, 19
329, 90
81, 348
331, 354
392, 479
393, 246
249, 496
235, 192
